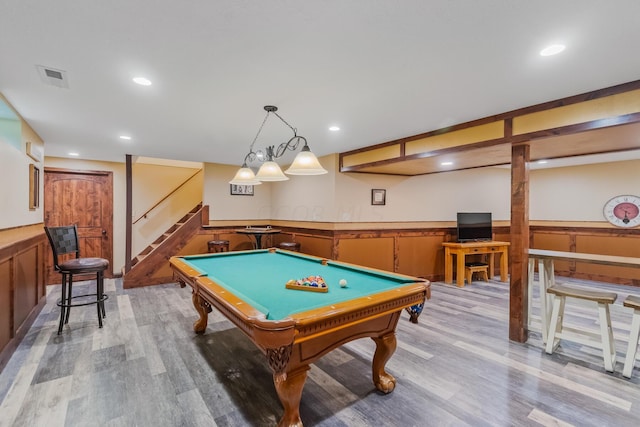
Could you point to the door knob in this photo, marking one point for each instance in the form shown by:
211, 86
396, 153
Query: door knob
104, 232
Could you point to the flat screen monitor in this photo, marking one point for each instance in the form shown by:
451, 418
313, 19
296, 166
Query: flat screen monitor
474, 226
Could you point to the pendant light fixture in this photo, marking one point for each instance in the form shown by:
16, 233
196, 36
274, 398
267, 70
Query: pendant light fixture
305, 163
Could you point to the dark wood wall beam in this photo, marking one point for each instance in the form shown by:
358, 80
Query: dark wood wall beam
518, 288
128, 213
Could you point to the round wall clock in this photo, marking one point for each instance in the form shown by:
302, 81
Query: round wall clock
623, 211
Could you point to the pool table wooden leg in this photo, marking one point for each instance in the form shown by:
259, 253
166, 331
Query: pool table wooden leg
289, 387
385, 347
203, 309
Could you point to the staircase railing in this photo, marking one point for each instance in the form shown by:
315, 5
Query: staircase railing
185, 182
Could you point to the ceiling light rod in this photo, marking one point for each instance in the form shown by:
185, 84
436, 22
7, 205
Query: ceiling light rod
270, 154
305, 162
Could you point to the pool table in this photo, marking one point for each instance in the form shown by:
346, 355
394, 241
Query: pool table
292, 327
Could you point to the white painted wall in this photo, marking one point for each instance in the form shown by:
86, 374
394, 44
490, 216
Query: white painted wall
14, 190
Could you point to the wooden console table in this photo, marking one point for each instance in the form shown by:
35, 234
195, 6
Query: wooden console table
461, 250
546, 278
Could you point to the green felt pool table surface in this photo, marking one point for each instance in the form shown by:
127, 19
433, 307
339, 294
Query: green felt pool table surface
259, 278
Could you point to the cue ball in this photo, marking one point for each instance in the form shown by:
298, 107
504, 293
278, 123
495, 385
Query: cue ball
343, 283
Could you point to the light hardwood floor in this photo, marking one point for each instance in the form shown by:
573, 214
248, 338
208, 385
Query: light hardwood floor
455, 368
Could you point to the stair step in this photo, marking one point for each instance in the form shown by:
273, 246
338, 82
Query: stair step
160, 239
146, 251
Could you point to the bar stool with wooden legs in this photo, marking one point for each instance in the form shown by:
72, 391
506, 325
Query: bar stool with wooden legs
480, 268
632, 302
605, 339
218, 246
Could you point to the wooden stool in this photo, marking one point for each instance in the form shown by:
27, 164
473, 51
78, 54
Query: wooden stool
604, 340
218, 246
291, 246
481, 268
632, 302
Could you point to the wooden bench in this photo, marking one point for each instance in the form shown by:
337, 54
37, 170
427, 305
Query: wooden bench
479, 267
632, 302
603, 341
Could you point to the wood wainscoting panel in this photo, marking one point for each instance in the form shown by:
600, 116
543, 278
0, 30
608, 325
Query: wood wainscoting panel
6, 325
421, 256
616, 244
321, 246
553, 242
25, 284
22, 286
376, 252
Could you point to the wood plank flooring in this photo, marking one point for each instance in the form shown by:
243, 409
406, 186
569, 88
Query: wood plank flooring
455, 368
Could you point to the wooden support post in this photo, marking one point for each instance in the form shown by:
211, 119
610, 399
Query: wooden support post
519, 294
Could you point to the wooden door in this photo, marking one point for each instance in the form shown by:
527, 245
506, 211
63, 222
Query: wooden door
84, 198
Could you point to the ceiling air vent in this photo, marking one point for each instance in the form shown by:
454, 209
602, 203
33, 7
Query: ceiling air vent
53, 77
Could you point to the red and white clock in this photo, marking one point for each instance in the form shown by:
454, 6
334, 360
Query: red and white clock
623, 211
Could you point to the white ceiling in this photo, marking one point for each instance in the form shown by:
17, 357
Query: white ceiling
381, 70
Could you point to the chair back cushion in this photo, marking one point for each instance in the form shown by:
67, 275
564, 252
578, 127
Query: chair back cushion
63, 240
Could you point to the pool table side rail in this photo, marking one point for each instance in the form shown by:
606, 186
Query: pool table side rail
319, 321
304, 325
247, 318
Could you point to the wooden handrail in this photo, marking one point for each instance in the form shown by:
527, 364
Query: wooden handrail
144, 215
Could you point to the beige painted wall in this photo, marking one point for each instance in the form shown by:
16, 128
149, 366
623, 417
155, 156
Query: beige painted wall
575, 193
307, 198
119, 198
346, 198
225, 207
151, 183
14, 191
435, 197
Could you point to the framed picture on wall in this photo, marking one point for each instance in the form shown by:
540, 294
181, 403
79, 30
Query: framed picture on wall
241, 190
378, 196
34, 187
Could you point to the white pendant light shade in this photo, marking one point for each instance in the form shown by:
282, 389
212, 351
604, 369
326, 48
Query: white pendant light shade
306, 163
270, 171
245, 176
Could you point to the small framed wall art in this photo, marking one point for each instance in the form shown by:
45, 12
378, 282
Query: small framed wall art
241, 190
378, 196
34, 187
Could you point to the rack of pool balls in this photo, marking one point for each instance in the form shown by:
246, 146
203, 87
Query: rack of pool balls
311, 283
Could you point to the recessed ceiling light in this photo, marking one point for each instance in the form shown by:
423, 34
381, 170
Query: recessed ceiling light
552, 50
446, 163
74, 154
334, 128
125, 137
142, 81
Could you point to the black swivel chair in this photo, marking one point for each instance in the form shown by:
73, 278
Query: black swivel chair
64, 240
